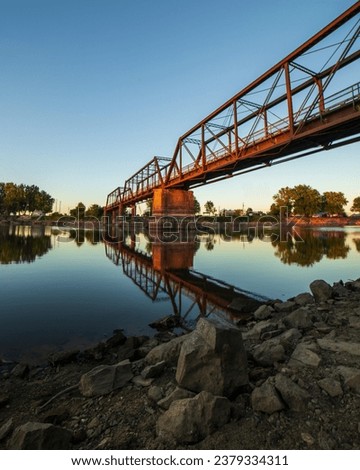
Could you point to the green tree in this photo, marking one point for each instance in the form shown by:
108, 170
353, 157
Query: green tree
197, 207
210, 208
13, 198
2, 198
307, 200
21, 198
334, 202
79, 211
356, 205
301, 199
283, 198
95, 211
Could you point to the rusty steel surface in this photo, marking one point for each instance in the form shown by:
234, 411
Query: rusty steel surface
306, 103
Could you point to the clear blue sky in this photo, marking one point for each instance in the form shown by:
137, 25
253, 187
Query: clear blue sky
92, 89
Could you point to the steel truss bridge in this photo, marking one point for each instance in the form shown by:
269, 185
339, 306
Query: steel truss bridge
306, 103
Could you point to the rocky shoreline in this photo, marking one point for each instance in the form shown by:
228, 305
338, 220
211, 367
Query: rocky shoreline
289, 378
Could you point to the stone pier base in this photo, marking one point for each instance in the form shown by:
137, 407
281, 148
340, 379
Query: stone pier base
173, 202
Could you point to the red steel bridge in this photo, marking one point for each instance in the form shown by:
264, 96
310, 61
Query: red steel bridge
306, 103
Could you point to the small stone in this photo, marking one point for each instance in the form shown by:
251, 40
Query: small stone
304, 299
153, 370
351, 377
266, 399
6, 428
104, 379
331, 386
285, 307
40, 436
263, 312
294, 396
300, 319
63, 357
307, 438
177, 394
155, 393
304, 356
20, 370
4, 399
269, 352
141, 382
192, 419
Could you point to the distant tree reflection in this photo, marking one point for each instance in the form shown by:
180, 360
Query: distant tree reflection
23, 248
312, 248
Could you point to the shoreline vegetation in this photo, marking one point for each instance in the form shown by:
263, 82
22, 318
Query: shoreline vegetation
287, 378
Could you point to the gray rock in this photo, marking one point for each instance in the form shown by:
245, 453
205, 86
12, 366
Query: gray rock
40, 436
304, 298
153, 370
268, 352
351, 377
260, 328
339, 290
321, 290
139, 381
339, 346
354, 285
63, 357
266, 399
168, 352
4, 399
263, 312
300, 319
155, 393
294, 396
6, 428
177, 394
20, 370
303, 356
285, 307
104, 379
331, 386
288, 339
213, 358
192, 419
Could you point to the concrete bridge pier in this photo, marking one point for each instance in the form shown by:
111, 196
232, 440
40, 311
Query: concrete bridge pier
172, 210
173, 202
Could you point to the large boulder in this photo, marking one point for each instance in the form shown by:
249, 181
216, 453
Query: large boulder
300, 318
192, 419
40, 436
213, 358
168, 352
104, 379
321, 290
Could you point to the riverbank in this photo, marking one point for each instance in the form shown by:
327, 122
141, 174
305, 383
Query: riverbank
299, 386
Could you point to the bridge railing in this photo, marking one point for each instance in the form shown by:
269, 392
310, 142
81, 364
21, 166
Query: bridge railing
342, 98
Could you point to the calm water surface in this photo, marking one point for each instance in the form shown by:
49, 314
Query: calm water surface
64, 290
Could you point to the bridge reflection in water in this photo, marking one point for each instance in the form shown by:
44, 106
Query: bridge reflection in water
165, 272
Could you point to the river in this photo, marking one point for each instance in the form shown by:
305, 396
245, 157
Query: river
66, 289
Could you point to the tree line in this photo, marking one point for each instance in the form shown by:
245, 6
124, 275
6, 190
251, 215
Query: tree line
305, 200
21, 199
